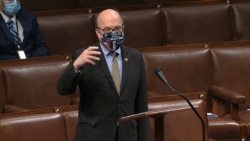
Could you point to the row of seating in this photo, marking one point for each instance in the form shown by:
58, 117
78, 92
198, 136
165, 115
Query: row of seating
59, 123
150, 25
47, 124
42, 5
219, 70
30, 84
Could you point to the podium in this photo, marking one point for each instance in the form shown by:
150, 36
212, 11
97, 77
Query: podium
158, 117
169, 115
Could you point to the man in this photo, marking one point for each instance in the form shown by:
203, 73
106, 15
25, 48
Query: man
103, 102
20, 35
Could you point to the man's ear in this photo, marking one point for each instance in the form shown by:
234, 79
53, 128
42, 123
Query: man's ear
98, 34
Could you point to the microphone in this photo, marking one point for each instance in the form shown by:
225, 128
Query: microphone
159, 73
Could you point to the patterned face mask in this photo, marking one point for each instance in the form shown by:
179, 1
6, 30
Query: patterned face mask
112, 40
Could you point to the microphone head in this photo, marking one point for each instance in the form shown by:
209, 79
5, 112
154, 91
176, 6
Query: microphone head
159, 73
157, 70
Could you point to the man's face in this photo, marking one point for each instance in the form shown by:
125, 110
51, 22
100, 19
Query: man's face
2, 3
10, 7
107, 23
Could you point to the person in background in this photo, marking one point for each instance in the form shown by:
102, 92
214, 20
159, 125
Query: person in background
104, 97
20, 36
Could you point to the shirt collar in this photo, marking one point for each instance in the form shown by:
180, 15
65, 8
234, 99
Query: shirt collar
6, 18
107, 52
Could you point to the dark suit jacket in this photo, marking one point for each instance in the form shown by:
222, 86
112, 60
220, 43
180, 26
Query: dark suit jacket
100, 106
33, 43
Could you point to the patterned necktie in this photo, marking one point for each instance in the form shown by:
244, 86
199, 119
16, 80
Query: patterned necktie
13, 32
116, 72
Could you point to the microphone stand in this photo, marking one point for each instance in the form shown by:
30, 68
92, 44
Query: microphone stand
159, 73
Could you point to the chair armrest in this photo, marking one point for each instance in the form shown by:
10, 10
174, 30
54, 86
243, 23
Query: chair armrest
232, 97
12, 108
227, 95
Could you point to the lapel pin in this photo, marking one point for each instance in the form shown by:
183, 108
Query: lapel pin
126, 59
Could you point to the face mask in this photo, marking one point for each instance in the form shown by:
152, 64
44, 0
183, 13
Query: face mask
11, 8
112, 40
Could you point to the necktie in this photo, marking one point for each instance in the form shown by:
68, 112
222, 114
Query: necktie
115, 72
13, 32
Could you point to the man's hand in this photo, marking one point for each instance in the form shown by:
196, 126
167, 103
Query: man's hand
89, 55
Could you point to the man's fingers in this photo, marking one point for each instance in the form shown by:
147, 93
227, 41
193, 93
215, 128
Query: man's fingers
93, 58
90, 62
93, 50
89, 55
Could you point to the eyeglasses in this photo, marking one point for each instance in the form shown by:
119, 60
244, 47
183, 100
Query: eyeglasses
107, 29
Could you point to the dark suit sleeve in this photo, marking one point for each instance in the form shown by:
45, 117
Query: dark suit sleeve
141, 105
40, 47
67, 83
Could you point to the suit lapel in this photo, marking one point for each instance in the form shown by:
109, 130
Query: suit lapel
103, 66
125, 66
20, 17
6, 30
